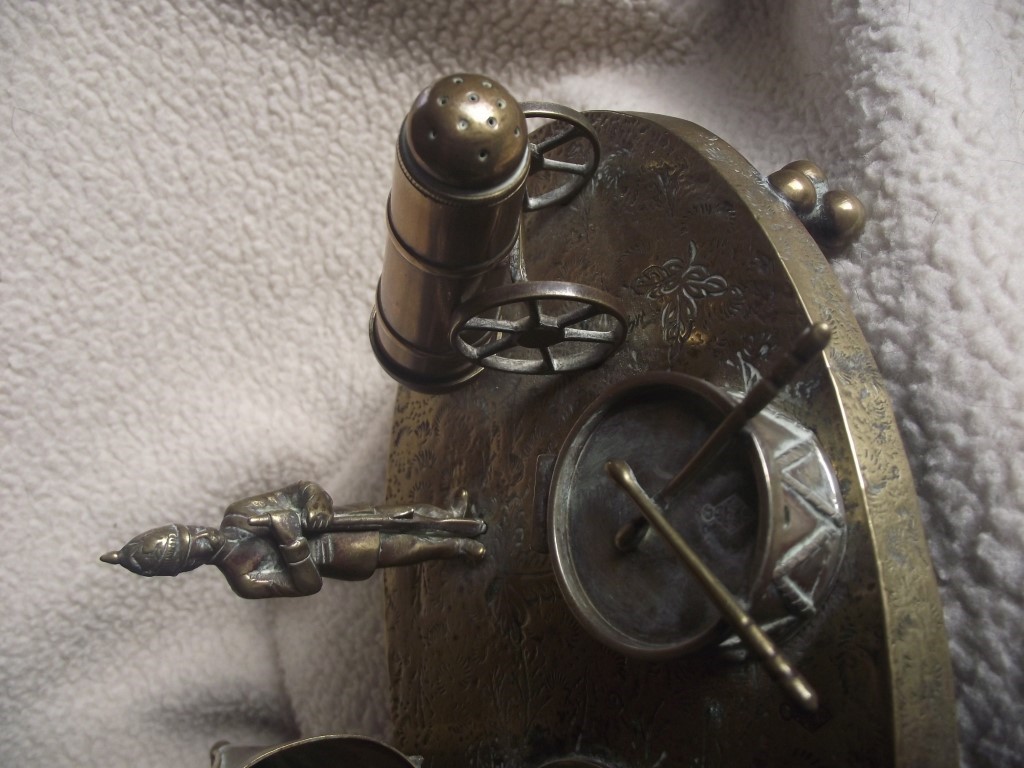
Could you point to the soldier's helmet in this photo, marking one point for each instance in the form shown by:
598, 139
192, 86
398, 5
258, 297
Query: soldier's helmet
164, 551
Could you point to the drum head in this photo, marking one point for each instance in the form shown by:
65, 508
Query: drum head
645, 602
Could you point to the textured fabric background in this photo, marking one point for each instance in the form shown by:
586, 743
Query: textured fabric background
193, 198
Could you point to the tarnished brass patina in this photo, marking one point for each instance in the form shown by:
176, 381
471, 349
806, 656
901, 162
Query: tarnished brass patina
285, 542
694, 538
454, 216
743, 513
718, 277
775, 541
758, 641
834, 218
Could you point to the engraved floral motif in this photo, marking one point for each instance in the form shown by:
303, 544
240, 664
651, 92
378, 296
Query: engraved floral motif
678, 286
488, 665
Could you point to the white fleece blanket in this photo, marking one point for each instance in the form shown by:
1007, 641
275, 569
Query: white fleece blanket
193, 202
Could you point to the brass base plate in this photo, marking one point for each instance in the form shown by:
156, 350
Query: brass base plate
488, 664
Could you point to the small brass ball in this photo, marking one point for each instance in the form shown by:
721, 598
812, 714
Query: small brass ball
844, 217
812, 171
796, 188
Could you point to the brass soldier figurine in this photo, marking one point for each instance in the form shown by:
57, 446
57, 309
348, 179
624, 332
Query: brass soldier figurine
283, 543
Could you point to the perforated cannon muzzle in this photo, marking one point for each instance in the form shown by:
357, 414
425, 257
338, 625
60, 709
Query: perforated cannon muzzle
467, 132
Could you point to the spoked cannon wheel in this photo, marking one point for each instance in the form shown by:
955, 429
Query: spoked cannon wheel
539, 327
579, 127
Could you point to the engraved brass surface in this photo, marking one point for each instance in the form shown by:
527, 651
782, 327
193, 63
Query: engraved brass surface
489, 665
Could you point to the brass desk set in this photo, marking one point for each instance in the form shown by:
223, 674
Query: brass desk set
690, 538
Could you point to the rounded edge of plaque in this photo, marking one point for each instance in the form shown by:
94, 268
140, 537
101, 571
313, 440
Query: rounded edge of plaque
319, 750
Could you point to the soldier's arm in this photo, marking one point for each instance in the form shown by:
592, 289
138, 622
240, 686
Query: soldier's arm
305, 497
295, 551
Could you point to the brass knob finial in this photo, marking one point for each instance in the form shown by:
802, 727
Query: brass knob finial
835, 218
